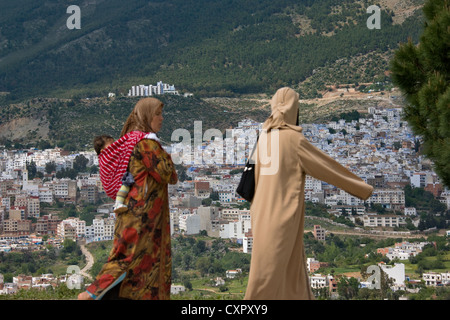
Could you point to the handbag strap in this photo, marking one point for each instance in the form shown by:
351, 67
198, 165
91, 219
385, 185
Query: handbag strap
254, 148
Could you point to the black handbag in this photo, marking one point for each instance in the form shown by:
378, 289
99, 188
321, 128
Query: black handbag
246, 187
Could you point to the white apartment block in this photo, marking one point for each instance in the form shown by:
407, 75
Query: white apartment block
318, 281
6, 203
410, 211
226, 196
396, 272
236, 228
445, 198
389, 198
348, 209
176, 289
386, 220
64, 188
189, 223
435, 279
247, 242
230, 214
72, 228
421, 179
45, 194
149, 90
312, 184
101, 229
343, 198
231, 274
33, 207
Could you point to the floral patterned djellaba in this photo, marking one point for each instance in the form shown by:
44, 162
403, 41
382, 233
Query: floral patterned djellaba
139, 265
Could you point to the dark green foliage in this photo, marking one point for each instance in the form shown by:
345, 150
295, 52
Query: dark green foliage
39, 262
189, 253
423, 74
207, 47
423, 200
348, 116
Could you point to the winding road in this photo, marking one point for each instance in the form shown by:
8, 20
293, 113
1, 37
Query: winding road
89, 264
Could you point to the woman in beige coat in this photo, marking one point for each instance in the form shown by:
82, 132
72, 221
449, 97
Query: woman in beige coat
278, 262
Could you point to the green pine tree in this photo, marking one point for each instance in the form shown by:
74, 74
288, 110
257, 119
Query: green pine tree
422, 73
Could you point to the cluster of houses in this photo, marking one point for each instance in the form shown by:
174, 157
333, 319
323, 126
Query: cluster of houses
379, 148
365, 146
403, 250
396, 273
41, 282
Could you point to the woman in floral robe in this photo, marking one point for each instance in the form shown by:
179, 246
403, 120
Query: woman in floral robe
139, 265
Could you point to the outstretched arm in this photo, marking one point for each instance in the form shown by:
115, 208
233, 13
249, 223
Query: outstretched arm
321, 166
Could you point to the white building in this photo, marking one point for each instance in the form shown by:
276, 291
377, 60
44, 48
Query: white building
33, 207
404, 250
388, 198
230, 214
435, 279
418, 179
45, 194
247, 242
101, 229
237, 228
72, 228
149, 90
396, 272
231, 274
226, 196
386, 220
313, 184
189, 223
318, 281
177, 289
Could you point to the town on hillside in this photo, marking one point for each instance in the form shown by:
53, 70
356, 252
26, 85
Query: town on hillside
379, 147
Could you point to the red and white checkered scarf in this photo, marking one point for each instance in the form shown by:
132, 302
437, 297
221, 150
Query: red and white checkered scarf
113, 160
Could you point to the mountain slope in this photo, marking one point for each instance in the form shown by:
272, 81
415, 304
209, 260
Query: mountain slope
73, 123
210, 47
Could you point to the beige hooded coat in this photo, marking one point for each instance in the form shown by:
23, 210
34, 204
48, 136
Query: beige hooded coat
278, 262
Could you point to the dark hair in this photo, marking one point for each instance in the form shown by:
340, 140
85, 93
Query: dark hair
100, 141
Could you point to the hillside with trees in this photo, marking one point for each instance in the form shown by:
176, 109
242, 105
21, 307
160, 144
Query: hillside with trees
206, 47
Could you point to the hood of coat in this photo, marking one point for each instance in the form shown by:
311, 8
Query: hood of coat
285, 107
